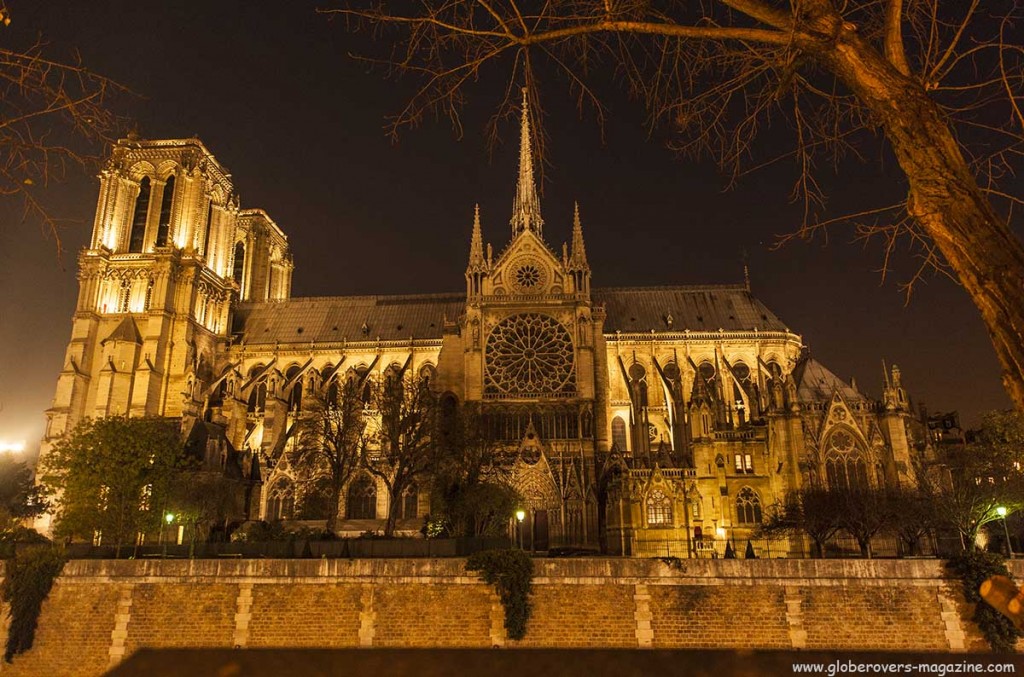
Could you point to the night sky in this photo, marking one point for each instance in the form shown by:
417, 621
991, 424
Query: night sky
270, 89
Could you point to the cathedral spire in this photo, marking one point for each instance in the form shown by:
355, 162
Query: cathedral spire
526, 207
577, 250
477, 262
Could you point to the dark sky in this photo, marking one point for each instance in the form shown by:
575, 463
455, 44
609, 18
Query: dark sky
270, 89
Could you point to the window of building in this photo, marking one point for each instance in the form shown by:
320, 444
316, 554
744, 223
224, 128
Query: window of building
748, 507
239, 267
149, 295
163, 226
845, 466
206, 236
295, 394
258, 398
659, 509
281, 501
739, 463
748, 463
695, 509
619, 433
410, 503
362, 499
138, 231
125, 296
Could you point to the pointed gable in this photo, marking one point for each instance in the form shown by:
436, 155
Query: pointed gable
125, 331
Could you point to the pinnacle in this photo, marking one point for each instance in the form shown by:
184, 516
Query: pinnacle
526, 206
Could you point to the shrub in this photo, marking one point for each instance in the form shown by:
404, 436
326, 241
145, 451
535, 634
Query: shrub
511, 574
974, 568
30, 575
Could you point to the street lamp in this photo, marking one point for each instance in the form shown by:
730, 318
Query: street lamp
169, 519
520, 516
1002, 511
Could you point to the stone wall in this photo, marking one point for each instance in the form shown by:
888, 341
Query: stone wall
100, 611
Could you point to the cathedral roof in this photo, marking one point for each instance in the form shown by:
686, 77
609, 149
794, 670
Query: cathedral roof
331, 319
815, 382
422, 316
703, 308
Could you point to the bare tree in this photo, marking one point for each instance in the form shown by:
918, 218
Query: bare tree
941, 82
330, 439
404, 452
54, 113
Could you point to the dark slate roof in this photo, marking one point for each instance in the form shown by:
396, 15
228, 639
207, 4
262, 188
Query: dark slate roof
815, 382
336, 318
126, 331
708, 308
422, 316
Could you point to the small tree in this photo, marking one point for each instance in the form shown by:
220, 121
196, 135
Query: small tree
864, 514
111, 476
200, 500
20, 497
405, 449
330, 440
967, 486
813, 511
468, 487
913, 517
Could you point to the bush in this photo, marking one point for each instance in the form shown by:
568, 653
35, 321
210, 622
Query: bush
511, 574
260, 532
973, 569
30, 575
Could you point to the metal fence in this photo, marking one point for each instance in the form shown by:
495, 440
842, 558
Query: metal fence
339, 549
839, 547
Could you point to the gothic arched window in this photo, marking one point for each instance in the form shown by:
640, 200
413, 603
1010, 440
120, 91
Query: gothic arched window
239, 269
258, 397
281, 501
410, 503
295, 394
206, 236
619, 433
845, 465
163, 226
659, 509
748, 507
138, 231
362, 499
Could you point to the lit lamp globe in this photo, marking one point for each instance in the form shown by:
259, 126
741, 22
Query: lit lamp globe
520, 515
169, 517
1001, 511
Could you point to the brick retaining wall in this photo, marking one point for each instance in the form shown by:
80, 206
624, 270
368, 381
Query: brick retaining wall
101, 610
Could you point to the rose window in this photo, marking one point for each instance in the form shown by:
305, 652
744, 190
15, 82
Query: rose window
528, 275
529, 355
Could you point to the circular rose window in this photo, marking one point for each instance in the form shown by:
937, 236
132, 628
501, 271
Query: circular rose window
528, 275
529, 355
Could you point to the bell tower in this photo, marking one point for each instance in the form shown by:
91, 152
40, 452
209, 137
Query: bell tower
171, 253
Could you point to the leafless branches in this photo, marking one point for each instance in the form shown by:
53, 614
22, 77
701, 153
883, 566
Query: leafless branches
53, 114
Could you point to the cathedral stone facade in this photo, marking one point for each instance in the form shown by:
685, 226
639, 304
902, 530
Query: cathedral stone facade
651, 420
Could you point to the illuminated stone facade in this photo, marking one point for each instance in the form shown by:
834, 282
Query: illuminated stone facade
650, 418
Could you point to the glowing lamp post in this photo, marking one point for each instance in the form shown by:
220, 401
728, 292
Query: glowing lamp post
520, 516
1002, 511
169, 519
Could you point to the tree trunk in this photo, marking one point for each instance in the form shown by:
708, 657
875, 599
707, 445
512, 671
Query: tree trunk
394, 504
332, 507
944, 197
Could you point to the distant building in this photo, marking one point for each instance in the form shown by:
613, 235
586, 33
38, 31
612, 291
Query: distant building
637, 415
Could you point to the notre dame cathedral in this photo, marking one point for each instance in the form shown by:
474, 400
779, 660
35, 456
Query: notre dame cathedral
636, 415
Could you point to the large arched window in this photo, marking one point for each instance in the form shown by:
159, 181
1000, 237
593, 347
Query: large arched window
258, 397
659, 509
619, 433
239, 263
206, 236
748, 507
845, 466
281, 501
138, 231
163, 226
362, 499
